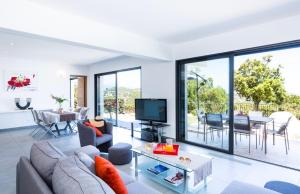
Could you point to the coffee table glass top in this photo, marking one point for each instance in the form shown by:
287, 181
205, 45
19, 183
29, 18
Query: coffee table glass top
195, 162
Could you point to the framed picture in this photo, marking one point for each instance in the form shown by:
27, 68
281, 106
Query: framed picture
20, 81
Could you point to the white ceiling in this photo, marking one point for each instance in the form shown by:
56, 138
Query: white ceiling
175, 21
21, 46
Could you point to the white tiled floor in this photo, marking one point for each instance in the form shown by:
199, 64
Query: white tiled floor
226, 168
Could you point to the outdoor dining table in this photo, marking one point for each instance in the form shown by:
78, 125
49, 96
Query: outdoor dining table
257, 120
55, 117
263, 121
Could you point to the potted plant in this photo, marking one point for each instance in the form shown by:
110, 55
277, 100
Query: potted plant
59, 101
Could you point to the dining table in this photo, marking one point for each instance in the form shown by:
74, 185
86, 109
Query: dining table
56, 117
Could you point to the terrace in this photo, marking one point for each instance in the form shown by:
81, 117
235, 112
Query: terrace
265, 93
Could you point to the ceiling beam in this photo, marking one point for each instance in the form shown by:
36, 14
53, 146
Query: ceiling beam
34, 19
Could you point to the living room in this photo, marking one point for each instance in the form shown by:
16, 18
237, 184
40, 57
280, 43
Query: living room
72, 67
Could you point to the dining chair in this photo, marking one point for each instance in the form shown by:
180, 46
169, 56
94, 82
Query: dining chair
46, 125
281, 129
82, 115
214, 123
37, 121
241, 125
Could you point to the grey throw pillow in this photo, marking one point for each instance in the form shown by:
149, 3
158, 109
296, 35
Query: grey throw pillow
71, 176
44, 156
87, 161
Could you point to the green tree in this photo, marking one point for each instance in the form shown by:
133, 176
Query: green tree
255, 80
211, 99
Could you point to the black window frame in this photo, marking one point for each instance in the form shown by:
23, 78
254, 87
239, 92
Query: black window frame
230, 54
116, 81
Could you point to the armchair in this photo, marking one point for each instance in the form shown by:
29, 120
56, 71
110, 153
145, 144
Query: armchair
87, 136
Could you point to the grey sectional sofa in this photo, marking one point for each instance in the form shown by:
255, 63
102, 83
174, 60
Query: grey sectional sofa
49, 171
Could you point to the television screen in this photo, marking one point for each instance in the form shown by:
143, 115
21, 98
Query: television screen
151, 110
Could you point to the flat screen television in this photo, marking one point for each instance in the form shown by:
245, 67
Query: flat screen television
151, 110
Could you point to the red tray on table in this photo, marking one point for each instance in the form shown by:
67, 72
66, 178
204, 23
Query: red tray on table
160, 150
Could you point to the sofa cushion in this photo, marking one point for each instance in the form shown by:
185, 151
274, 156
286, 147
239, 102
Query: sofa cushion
136, 187
71, 176
90, 150
236, 187
44, 156
87, 161
105, 138
282, 187
107, 172
97, 131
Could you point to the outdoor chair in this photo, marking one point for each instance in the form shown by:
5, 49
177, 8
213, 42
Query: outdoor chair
214, 123
242, 126
256, 126
280, 129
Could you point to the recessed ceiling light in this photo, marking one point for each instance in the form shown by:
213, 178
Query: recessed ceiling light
11, 44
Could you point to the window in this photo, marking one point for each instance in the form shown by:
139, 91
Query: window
115, 95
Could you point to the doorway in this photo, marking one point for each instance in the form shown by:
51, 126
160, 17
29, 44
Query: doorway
78, 95
115, 93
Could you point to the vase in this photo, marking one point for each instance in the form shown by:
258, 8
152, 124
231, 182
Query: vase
60, 109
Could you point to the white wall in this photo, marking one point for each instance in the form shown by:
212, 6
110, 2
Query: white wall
277, 31
158, 81
52, 79
41, 20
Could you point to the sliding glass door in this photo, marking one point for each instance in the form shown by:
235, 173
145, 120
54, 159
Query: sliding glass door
115, 93
129, 88
107, 97
204, 116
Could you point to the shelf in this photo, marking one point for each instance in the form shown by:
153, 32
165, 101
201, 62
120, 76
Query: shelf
143, 165
160, 177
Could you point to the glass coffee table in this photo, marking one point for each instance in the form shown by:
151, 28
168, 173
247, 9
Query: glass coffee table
196, 170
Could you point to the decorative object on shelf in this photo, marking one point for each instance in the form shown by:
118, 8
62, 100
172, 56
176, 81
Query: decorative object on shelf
165, 149
20, 81
59, 101
185, 159
175, 179
26, 106
148, 146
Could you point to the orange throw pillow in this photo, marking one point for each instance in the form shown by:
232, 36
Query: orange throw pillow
97, 131
109, 174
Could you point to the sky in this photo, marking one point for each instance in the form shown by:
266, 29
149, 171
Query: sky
218, 69
129, 79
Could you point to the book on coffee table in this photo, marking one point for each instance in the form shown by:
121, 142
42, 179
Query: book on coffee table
175, 179
158, 169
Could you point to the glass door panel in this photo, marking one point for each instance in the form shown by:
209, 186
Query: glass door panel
129, 88
107, 97
207, 103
